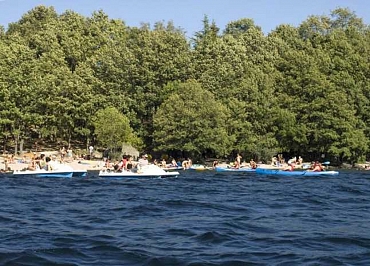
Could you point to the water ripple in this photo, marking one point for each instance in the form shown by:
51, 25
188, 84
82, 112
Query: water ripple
199, 218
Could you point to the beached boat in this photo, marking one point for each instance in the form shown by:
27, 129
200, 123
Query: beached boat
295, 173
146, 171
233, 169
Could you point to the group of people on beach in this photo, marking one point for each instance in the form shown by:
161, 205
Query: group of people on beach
66, 154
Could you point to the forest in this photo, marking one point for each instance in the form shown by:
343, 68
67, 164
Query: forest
302, 91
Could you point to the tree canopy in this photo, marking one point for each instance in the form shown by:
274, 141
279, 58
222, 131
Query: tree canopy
303, 90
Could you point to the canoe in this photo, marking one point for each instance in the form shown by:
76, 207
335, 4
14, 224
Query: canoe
294, 173
231, 169
144, 172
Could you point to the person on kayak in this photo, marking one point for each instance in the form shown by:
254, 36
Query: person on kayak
317, 167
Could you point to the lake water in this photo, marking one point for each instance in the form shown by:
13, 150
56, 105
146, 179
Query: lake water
199, 218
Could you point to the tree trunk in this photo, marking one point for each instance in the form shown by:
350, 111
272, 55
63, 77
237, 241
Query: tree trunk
21, 143
16, 145
4, 147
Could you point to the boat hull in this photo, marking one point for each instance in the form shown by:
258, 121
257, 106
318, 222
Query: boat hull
135, 175
150, 171
171, 169
295, 173
79, 173
230, 169
43, 174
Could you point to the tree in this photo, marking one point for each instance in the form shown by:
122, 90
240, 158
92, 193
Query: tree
156, 58
240, 26
112, 129
191, 120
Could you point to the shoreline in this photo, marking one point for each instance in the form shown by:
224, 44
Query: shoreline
98, 164
77, 164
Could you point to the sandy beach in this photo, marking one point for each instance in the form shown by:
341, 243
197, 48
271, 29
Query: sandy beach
77, 164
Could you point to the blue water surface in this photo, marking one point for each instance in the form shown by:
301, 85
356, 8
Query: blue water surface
198, 218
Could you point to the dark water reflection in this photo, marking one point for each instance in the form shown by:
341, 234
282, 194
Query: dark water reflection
199, 218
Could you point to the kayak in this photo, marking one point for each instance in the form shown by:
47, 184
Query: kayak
295, 173
231, 169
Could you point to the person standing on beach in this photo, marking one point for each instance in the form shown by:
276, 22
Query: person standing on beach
91, 151
69, 152
238, 161
62, 153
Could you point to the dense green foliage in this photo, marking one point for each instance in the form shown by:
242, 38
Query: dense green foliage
113, 129
301, 90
